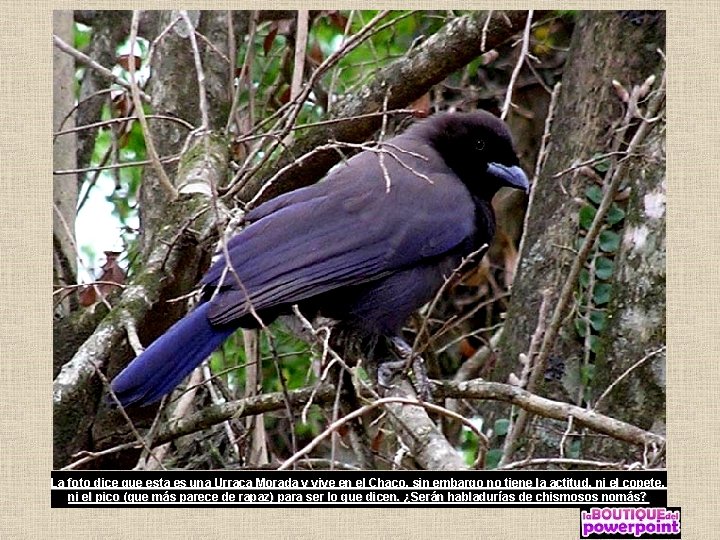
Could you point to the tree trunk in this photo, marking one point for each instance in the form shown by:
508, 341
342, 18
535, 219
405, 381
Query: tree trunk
636, 316
65, 187
606, 46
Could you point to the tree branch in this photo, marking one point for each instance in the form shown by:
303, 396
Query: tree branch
170, 269
403, 81
427, 444
215, 414
479, 389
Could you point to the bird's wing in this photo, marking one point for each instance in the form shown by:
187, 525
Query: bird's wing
343, 231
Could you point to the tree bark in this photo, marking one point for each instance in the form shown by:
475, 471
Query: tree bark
635, 338
65, 188
606, 46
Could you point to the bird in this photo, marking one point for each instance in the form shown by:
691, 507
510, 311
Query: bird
367, 245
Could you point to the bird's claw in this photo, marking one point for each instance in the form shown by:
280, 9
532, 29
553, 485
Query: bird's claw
407, 360
422, 382
387, 371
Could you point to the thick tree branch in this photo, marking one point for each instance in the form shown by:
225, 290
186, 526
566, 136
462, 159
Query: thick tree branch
171, 269
402, 82
216, 414
479, 389
427, 444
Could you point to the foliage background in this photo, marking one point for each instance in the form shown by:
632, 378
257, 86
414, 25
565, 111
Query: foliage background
397, 66
25, 343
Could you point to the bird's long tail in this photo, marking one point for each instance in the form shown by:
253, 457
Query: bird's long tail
170, 358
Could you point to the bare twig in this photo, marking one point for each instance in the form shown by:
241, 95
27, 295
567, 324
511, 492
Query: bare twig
216, 398
483, 39
129, 324
591, 161
135, 92
171, 159
204, 114
470, 368
381, 138
123, 119
327, 350
71, 238
91, 456
89, 62
321, 148
563, 461
564, 437
301, 37
521, 60
141, 440
244, 77
215, 414
296, 105
61, 288
479, 389
160, 37
181, 409
284, 387
518, 425
475, 389
537, 336
253, 383
81, 102
336, 70
627, 372
542, 155
543, 152
365, 409
332, 121
312, 463
423, 326
214, 48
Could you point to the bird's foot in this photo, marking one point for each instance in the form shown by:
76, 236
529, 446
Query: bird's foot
422, 382
414, 361
387, 371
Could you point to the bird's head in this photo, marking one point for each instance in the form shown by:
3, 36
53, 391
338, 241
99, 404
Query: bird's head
479, 148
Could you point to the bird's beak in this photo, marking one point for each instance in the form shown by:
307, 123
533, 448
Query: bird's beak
511, 176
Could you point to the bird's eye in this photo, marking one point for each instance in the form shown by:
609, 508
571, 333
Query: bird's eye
479, 145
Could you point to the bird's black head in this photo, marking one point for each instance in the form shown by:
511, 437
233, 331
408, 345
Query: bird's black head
479, 148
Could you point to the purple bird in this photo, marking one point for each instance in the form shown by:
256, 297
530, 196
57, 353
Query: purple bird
368, 245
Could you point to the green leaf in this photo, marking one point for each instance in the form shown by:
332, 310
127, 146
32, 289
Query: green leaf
501, 426
601, 166
594, 193
82, 36
609, 241
587, 214
615, 215
597, 320
362, 374
581, 327
587, 373
603, 268
601, 294
595, 344
574, 449
492, 458
303, 430
584, 277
